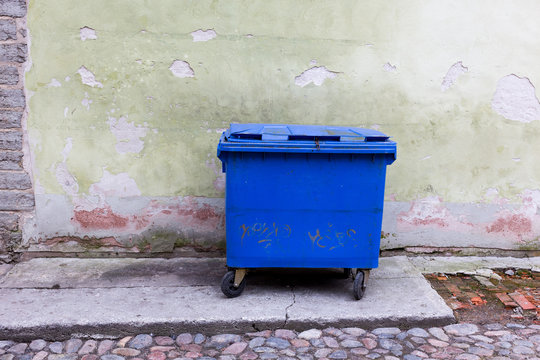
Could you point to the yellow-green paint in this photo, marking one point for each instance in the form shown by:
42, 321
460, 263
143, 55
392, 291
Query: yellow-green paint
466, 146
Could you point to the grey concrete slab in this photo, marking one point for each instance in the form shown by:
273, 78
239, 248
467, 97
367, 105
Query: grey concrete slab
113, 273
395, 267
56, 314
59, 297
4, 268
402, 302
108, 273
453, 265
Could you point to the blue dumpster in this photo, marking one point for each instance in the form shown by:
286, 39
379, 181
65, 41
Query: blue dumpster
302, 196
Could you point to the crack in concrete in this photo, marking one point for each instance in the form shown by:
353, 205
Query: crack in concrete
289, 306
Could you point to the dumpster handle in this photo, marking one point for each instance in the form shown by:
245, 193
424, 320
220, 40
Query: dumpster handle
317, 143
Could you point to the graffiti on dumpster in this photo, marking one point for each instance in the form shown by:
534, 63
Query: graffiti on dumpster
328, 237
331, 238
265, 233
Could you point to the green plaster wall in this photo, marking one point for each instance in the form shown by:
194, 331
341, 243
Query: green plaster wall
466, 146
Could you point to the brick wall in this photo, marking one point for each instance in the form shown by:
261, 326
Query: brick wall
16, 195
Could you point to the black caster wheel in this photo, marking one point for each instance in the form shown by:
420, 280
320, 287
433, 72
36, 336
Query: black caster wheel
227, 285
358, 285
346, 273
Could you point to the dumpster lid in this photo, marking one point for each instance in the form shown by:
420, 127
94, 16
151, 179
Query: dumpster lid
305, 139
274, 132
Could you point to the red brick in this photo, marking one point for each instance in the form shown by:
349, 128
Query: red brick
506, 300
452, 288
522, 301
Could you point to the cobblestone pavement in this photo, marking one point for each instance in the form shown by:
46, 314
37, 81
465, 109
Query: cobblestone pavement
459, 341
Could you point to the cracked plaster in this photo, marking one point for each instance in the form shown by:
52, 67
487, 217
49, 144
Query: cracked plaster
88, 78
203, 35
452, 75
87, 33
181, 69
252, 81
515, 99
316, 75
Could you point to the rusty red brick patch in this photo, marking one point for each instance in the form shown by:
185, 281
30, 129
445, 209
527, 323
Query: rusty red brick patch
189, 212
105, 241
101, 218
514, 297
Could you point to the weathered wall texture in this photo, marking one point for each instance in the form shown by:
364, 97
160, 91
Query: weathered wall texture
129, 97
16, 196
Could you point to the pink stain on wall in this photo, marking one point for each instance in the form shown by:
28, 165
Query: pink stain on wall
517, 223
520, 224
194, 213
100, 218
429, 211
188, 212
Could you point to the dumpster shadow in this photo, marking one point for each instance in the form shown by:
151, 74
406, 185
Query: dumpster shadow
185, 272
319, 280
167, 273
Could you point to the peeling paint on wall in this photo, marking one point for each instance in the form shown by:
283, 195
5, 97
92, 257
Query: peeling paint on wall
264, 74
88, 78
67, 149
389, 67
88, 34
515, 99
134, 225
513, 223
181, 69
119, 185
203, 35
492, 195
521, 224
452, 75
128, 135
100, 218
66, 180
86, 101
316, 75
54, 83
188, 211
219, 182
427, 211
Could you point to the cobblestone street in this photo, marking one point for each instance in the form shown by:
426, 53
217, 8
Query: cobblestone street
459, 341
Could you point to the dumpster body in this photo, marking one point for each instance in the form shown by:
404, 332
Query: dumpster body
303, 196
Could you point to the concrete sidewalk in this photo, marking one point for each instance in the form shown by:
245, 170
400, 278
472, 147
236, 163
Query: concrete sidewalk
58, 297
